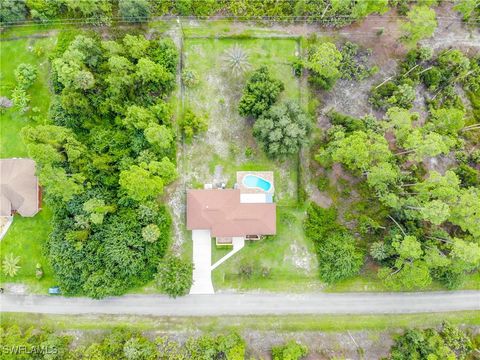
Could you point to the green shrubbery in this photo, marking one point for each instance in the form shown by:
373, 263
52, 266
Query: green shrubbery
447, 343
192, 124
102, 11
291, 350
174, 276
338, 256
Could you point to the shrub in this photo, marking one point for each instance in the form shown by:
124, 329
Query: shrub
324, 62
38, 271
282, 130
337, 254
192, 124
292, 350
151, 233
10, 265
379, 250
260, 93
421, 24
236, 60
190, 78
322, 183
174, 276
354, 65
20, 99
25, 75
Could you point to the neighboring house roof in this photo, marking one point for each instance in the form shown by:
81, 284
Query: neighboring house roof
222, 212
18, 187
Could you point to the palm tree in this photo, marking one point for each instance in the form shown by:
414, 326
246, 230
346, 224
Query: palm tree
10, 265
236, 60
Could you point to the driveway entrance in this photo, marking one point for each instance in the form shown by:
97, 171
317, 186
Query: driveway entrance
202, 262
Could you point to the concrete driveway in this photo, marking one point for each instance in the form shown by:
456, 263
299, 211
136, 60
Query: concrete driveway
202, 262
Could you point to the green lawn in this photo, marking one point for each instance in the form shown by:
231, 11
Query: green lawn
13, 53
284, 262
26, 236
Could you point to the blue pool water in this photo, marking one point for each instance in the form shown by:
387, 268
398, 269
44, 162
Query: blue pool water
253, 181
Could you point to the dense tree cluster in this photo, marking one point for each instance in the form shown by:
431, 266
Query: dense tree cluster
440, 75
104, 159
329, 12
281, 128
433, 215
120, 343
447, 343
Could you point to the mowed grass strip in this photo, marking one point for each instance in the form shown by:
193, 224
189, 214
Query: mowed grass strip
288, 323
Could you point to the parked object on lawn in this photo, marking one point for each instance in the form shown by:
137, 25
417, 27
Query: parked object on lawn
55, 290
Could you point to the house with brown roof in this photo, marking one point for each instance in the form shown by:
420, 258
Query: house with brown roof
231, 216
246, 211
19, 189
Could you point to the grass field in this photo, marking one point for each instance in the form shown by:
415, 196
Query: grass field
26, 236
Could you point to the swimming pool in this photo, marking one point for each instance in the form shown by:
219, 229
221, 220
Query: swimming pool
254, 181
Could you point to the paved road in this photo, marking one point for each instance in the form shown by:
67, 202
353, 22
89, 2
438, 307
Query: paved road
248, 304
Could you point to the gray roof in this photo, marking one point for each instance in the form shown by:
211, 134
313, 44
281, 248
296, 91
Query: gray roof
18, 187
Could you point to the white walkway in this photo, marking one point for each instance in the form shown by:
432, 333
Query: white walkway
238, 244
202, 262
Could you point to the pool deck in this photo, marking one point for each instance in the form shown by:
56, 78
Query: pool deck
266, 175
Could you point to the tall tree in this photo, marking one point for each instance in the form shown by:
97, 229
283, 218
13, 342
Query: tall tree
421, 24
282, 129
324, 61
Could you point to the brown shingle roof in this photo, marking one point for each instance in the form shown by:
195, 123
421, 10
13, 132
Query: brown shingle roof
222, 213
18, 187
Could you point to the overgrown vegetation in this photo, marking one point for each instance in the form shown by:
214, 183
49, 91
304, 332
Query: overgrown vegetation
103, 12
446, 342
428, 229
104, 159
338, 255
